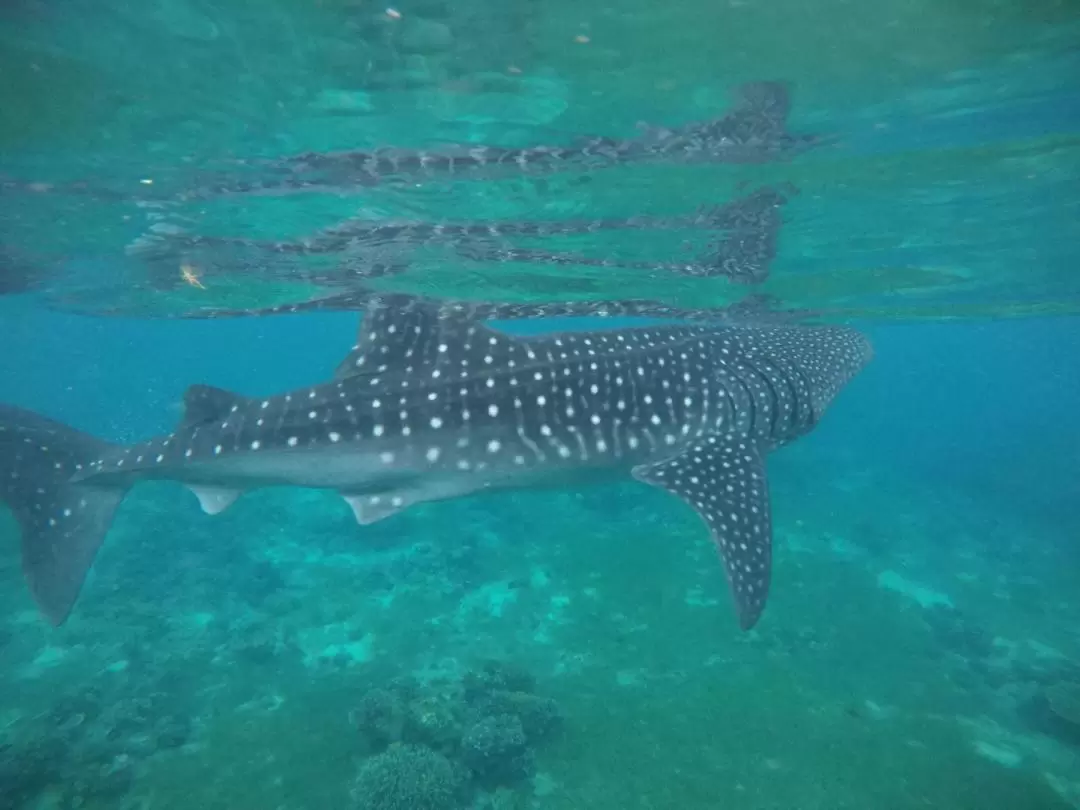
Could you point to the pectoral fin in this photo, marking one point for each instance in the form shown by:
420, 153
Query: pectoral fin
723, 479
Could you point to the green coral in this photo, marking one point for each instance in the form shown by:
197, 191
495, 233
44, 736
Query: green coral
407, 777
540, 717
444, 741
496, 751
435, 721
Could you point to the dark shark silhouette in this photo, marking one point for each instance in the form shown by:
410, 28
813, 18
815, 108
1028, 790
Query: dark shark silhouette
18, 275
433, 404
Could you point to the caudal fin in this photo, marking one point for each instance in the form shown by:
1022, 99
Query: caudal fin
63, 521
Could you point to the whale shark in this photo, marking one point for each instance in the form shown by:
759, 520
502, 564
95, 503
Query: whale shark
434, 403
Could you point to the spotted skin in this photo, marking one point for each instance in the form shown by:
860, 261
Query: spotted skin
433, 404
724, 481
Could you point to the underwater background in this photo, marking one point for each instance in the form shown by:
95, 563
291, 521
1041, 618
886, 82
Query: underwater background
572, 648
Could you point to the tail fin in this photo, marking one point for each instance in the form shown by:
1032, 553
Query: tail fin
63, 521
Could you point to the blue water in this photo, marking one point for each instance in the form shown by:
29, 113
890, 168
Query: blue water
574, 647
955, 437
992, 401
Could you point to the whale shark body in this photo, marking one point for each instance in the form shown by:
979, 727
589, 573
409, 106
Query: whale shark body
433, 403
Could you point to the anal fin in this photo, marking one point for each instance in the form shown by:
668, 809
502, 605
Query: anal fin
214, 499
723, 479
370, 509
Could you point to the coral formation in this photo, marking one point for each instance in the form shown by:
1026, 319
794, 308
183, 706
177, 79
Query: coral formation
407, 777
539, 716
485, 727
496, 751
434, 720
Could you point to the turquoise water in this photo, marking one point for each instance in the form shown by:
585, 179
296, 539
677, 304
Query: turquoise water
572, 647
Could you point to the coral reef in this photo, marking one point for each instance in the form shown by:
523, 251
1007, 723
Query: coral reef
74, 776
407, 777
496, 751
434, 720
539, 716
487, 726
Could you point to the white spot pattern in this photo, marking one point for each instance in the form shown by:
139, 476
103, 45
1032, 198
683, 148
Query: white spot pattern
689, 408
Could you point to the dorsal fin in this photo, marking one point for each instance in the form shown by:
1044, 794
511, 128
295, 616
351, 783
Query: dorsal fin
396, 331
205, 403
399, 332
764, 106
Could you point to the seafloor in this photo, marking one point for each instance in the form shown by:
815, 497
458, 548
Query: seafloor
920, 648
